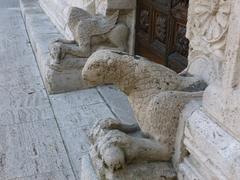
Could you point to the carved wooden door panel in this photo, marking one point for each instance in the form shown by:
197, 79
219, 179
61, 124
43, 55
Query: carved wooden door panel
160, 32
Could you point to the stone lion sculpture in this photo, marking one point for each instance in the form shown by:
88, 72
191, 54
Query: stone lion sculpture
157, 96
90, 33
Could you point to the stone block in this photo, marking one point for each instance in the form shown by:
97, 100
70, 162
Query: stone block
143, 171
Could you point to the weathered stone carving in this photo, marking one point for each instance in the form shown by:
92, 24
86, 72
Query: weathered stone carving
157, 96
90, 33
207, 27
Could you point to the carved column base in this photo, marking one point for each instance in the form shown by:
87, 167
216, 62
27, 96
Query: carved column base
93, 169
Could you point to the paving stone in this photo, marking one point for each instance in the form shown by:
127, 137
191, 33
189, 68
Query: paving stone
31, 148
76, 112
59, 175
9, 4
118, 102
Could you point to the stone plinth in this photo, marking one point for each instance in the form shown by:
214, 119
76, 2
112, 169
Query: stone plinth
143, 171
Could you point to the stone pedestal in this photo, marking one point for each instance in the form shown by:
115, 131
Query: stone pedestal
142, 171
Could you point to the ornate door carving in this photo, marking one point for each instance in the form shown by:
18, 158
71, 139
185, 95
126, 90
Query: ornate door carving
160, 32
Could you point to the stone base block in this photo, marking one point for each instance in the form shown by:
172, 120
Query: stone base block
141, 171
213, 148
57, 78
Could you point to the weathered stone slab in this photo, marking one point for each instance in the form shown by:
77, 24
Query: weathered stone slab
31, 148
88, 172
118, 103
58, 175
9, 4
74, 124
155, 170
143, 171
19, 106
70, 100
23, 98
41, 31
76, 112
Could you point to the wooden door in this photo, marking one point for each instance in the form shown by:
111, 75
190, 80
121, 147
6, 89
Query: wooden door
160, 32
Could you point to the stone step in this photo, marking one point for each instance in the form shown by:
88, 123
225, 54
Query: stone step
64, 77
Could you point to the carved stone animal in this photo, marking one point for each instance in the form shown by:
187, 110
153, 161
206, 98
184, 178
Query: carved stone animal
90, 33
157, 96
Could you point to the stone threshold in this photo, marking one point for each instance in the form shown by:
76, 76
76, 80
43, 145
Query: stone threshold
41, 32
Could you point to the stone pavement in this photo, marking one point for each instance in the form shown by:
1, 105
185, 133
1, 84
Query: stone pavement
41, 136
